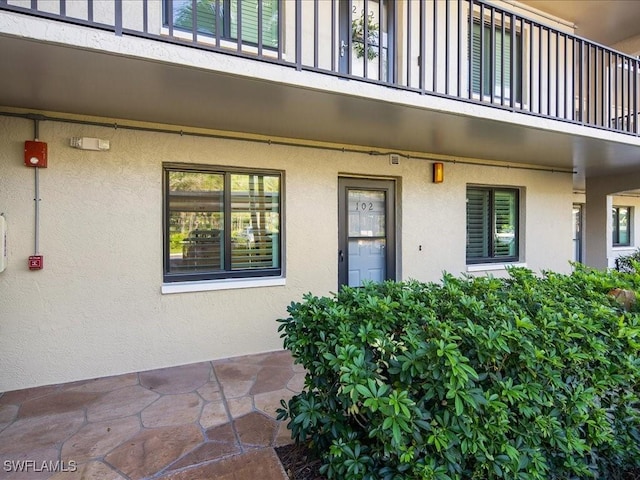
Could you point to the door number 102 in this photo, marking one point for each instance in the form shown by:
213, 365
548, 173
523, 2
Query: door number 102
364, 206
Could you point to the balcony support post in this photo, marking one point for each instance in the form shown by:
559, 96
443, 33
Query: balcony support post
118, 18
299, 34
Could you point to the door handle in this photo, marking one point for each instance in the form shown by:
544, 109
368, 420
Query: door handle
343, 46
340, 256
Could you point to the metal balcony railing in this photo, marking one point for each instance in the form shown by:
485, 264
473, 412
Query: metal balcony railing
462, 49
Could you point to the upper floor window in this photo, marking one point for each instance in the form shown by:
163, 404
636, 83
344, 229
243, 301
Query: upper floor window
221, 223
227, 17
492, 224
621, 218
492, 54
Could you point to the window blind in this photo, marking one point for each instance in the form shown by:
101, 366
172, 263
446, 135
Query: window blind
488, 55
207, 19
250, 21
492, 224
205, 15
478, 223
255, 221
221, 224
505, 223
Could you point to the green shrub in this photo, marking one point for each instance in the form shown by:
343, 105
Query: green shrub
176, 240
473, 378
628, 263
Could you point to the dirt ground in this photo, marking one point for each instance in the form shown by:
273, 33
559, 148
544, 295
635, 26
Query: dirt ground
297, 463
299, 466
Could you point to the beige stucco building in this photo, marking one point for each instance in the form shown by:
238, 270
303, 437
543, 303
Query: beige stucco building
198, 180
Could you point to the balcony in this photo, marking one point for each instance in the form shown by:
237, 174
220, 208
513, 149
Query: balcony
403, 62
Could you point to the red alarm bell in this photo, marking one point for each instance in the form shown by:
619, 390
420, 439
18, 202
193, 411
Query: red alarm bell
35, 154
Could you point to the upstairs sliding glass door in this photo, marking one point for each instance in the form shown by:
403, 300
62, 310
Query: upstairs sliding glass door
366, 39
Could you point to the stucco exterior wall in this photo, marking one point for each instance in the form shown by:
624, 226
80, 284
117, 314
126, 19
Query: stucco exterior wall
97, 309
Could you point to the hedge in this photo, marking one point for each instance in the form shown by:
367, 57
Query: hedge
528, 377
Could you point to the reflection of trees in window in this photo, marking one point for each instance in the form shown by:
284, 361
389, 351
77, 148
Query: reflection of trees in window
254, 209
195, 205
221, 224
223, 14
205, 15
188, 181
620, 227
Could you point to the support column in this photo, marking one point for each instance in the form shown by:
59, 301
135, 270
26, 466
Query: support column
597, 228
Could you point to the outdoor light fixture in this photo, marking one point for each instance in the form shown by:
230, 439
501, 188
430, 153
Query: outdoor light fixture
438, 172
87, 143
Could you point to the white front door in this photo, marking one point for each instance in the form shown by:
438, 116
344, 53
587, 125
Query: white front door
366, 231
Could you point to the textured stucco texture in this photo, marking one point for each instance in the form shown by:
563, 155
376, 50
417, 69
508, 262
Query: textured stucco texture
96, 308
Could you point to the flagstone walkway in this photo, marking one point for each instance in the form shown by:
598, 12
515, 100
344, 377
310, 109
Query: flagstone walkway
210, 420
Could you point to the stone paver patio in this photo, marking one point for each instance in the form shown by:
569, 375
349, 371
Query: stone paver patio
210, 420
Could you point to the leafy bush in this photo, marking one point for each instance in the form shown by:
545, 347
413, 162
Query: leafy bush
176, 240
473, 378
628, 263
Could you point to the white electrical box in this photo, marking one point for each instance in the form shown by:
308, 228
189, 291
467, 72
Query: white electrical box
3, 243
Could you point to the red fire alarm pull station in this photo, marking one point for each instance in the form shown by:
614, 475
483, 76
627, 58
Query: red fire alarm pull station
35, 262
35, 154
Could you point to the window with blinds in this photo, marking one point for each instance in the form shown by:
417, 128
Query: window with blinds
248, 14
621, 220
255, 18
492, 224
221, 224
491, 58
